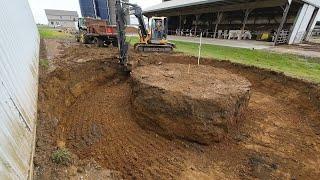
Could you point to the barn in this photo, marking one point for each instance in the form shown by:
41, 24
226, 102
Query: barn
277, 21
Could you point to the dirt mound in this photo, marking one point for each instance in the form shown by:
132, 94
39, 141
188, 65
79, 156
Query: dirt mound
85, 102
198, 104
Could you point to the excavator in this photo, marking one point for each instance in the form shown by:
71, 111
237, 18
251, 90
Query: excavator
152, 39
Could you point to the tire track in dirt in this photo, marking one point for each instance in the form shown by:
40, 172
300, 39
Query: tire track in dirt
128, 139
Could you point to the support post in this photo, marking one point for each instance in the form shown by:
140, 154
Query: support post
197, 22
219, 18
284, 18
312, 24
245, 19
211, 24
180, 22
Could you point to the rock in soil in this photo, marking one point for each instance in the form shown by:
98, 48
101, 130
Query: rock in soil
198, 104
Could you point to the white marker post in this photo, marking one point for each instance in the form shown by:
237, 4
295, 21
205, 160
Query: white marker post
200, 48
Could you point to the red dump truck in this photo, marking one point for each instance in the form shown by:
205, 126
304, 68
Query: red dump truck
96, 31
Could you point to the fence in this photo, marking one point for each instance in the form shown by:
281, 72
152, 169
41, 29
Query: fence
19, 52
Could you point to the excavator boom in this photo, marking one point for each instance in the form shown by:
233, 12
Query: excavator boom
121, 26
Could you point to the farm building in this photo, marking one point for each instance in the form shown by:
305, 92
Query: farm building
61, 18
19, 59
279, 21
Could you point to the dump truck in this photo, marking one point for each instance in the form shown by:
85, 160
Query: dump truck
96, 31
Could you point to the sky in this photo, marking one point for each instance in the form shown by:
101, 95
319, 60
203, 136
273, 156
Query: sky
38, 6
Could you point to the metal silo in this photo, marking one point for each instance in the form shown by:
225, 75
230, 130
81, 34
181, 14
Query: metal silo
102, 9
87, 8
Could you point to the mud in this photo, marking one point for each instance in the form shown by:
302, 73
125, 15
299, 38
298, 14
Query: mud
195, 103
85, 103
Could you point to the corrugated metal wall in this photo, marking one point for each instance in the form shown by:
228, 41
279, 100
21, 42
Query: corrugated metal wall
19, 52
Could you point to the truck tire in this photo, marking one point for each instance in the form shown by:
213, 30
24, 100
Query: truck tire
115, 43
107, 43
84, 39
98, 42
77, 38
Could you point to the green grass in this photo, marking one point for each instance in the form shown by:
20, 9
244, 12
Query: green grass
50, 33
61, 156
44, 63
291, 65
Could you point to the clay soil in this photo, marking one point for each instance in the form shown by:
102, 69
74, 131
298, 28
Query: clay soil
84, 105
196, 103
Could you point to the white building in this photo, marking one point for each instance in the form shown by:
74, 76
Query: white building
19, 59
61, 18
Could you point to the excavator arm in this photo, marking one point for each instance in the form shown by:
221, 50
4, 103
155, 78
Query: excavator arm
146, 43
137, 12
121, 27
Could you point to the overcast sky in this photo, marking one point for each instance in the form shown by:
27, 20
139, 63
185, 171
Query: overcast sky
38, 6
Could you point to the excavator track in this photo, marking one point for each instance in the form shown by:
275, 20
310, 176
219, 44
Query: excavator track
153, 47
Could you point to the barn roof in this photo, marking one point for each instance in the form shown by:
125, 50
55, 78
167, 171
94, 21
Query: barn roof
53, 12
183, 4
177, 4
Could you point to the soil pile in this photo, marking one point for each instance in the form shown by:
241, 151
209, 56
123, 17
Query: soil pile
198, 104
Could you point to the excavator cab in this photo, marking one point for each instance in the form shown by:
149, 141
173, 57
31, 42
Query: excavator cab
159, 28
155, 38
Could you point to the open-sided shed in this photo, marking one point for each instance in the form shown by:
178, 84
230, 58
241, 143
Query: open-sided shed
288, 21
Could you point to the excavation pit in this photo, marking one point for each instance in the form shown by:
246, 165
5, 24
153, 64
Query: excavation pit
196, 103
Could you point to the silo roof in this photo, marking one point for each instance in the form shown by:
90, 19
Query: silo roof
54, 12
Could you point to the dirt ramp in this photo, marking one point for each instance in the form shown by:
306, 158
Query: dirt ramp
197, 103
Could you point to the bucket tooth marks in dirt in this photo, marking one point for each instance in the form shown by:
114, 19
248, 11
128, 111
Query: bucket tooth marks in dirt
277, 136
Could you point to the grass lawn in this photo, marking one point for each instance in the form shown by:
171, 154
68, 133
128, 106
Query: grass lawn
291, 65
50, 33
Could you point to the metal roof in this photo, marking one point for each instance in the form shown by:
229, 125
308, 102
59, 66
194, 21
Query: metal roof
184, 7
175, 4
53, 12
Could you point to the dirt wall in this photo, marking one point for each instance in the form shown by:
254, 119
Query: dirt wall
199, 104
278, 136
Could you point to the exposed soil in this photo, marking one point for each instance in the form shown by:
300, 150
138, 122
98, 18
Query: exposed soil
196, 103
84, 105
